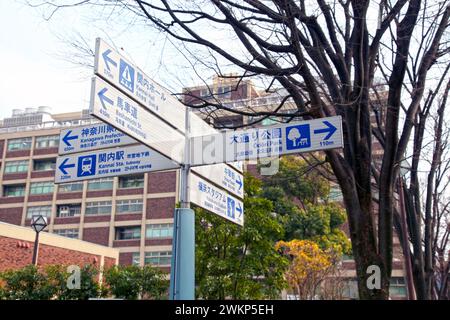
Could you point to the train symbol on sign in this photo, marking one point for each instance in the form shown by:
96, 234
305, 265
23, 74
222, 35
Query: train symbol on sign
86, 166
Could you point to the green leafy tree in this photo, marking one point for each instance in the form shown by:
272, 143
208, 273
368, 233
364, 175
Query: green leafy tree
58, 277
133, 282
240, 262
27, 283
300, 195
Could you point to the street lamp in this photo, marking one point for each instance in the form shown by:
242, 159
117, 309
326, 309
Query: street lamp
38, 223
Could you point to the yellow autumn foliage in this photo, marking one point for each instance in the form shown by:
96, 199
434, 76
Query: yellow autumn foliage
309, 265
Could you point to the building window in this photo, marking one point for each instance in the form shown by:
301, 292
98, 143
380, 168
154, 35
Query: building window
128, 233
71, 187
19, 144
135, 259
41, 187
98, 207
14, 191
45, 211
69, 233
129, 206
47, 142
397, 287
224, 92
205, 93
16, 166
101, 184
159, 230
131, 182
158, 258
68, 210
351, 289
44, 164
335, 193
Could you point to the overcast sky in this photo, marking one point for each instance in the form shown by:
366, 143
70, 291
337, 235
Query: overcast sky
34, 74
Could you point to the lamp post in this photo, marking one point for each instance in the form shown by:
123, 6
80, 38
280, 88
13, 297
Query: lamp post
38, 223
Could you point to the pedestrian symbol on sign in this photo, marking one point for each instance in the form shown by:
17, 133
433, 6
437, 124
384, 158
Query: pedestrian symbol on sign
231, 207
298, 137
86, 166
126, 75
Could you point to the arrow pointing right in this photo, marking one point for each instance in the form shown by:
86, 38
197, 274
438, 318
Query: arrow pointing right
63, 166
104, 98
239, 182
108, 60
330, 129
239, 209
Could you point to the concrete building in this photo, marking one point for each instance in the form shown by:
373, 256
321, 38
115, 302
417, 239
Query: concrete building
131, 213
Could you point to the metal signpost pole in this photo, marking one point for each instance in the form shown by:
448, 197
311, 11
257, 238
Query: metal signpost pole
182, 274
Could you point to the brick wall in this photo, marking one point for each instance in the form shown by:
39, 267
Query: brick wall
45, 151
17, 254
96, 235
43, 174
15, 176
99, 193
125, 258
162, 182
4, 200
125, 192
160, 208
11, 215
17, 153
69, 195
40, 197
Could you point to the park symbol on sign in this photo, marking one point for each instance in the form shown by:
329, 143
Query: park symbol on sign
298, 137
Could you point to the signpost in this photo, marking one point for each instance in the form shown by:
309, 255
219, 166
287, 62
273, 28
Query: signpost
91, 137
109, 163
209, 197
128, 100
298, 137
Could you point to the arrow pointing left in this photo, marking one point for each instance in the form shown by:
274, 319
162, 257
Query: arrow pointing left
64, 165
103, 98
66, 139
108, 60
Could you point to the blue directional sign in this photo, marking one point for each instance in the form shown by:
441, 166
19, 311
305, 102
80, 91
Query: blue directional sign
110, 163
91, 137
216, 200
268, 141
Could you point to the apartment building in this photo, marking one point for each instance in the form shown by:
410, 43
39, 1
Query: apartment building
131, 213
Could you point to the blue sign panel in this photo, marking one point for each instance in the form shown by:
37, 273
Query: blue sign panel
126, 75
110, 163
92, 137
298, 137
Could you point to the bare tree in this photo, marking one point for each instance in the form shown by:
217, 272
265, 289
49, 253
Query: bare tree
427, 204
326, 55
